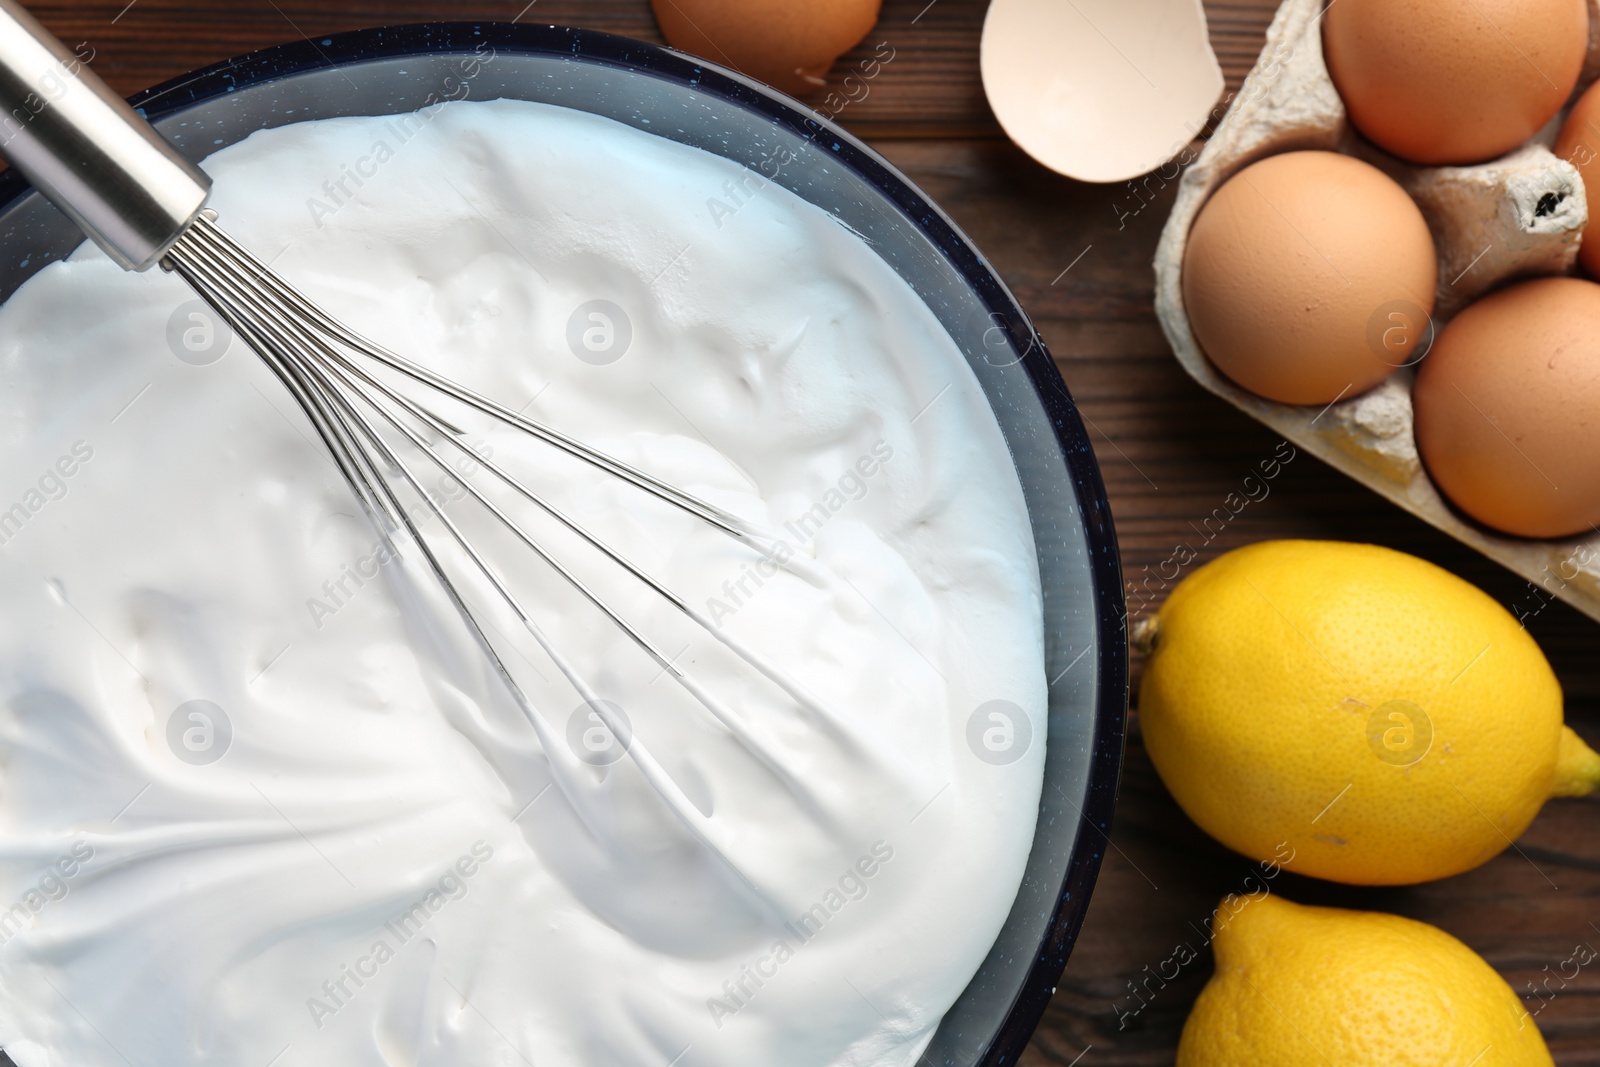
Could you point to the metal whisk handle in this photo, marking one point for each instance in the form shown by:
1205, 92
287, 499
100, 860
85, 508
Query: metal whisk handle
86, 150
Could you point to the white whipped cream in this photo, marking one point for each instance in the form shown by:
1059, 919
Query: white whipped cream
255, 807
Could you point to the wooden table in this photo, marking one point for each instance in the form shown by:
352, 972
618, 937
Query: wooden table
1170, 453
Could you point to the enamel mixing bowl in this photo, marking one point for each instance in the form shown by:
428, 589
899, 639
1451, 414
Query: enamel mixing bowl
401, 69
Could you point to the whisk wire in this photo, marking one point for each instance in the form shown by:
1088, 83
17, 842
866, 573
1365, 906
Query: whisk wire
201, 269
206, 233
307, 350
379, 399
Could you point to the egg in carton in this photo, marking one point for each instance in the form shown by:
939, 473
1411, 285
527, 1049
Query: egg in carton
1518, 216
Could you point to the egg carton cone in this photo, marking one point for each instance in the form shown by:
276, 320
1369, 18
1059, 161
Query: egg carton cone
1518, 216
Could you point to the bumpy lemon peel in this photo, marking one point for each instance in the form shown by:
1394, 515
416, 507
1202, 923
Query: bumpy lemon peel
1299, 986
1385, 719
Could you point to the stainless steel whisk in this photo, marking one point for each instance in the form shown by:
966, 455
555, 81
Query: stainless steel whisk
98, 161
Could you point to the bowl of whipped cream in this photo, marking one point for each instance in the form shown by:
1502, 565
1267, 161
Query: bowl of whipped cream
257, 808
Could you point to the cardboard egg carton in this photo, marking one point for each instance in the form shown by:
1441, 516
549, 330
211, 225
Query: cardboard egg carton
1520, 215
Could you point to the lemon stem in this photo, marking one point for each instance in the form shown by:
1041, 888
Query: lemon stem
1577, 767
1144, 633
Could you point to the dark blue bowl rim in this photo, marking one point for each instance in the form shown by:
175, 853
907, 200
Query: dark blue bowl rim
358, 46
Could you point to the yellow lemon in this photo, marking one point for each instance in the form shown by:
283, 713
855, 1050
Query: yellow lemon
1362, 712
1324, 987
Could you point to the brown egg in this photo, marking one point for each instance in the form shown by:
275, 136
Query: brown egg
1309, 276
1454, 81
1579, 144
1508, 409
789, 44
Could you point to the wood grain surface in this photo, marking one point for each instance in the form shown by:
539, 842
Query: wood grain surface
1170, 453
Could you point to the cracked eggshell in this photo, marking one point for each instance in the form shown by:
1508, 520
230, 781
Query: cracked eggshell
1100, 90
1517, 216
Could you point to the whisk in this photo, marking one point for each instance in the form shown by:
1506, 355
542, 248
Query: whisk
92, 156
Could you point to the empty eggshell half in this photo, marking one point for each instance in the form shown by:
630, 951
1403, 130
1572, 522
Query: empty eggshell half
1100, 90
